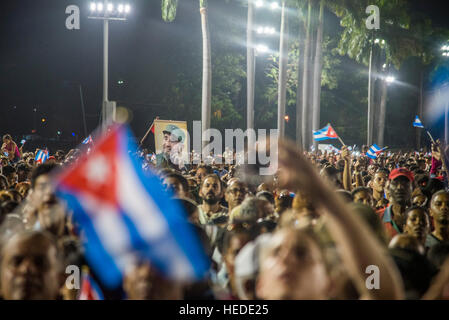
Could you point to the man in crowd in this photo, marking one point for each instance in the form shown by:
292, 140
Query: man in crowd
211, 193
235, 194
439, 211
31, 267
399, 191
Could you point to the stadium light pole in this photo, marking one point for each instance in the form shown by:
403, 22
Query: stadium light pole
106, 11
445, 54
252, 50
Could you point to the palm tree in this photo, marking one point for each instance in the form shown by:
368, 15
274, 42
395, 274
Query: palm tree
250, 66
168, 8
317, 72
283, 62
207, 71
305, 80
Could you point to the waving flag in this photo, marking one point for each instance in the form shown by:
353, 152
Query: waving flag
41, 156
326, 133
417, 123
89, 288
374, 151
127, 215
88, 140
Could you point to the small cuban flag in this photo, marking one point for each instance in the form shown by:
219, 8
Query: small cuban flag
90, 290
417, 123
127, 215
41, 156
88, 140
324, 134
374, 151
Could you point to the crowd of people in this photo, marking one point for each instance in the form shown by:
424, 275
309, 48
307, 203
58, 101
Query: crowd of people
326, 226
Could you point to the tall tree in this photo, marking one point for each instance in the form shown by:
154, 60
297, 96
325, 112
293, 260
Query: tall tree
283, 62
168, 8
305, 80
317, 72
207, 71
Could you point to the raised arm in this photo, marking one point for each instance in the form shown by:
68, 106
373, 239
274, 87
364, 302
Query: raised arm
357, 243
347, 183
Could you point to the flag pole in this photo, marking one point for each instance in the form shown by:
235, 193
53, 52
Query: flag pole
147, 133
431, 138
341, 140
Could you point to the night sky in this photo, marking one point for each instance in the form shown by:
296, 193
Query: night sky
42, 64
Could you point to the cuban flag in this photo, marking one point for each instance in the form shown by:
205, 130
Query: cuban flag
88, 140
90, 290
326, 133
417, 123
41, 156
374, 151
127, 215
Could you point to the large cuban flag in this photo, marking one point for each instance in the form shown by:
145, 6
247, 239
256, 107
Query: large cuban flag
326, 133
126, 214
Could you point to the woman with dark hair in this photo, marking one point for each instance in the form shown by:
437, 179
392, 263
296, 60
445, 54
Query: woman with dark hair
10, 149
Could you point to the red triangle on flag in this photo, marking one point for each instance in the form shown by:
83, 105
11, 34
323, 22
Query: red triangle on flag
331, 132
95, 174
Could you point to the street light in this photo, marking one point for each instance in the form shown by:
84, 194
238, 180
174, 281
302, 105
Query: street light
97, 12
390, 79
259, 3
261, 48
266, 30
274, 6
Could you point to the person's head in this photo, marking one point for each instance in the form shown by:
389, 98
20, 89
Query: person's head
400, 186
419, 200
263, 187
332, 174
17, 197
233, 242
372, 168
253, 208
362, 195
170, 141
3, 182
235, 193
30, 267
10, 173
201, 172
292, 267
177, 183
439, 209
283, 201
211, 189
59, 155
417, 223
23, 172
379, 180
144, 282
345, 195
40, 183
368, 215
246, 267
266, 195
191, 207
7, 138
421, 164
23, 188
